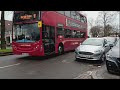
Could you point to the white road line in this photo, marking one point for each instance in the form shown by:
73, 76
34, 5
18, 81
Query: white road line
10, 65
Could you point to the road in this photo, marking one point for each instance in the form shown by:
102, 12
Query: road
50, 67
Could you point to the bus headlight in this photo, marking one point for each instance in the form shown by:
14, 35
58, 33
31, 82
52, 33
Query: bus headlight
36, 47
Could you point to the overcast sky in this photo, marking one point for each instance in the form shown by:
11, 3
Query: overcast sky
91, 14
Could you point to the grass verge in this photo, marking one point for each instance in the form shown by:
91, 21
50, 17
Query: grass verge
5, 50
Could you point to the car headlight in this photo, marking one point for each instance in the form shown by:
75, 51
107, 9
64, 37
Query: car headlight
98, 51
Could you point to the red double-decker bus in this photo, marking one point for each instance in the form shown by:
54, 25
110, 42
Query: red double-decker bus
40, 33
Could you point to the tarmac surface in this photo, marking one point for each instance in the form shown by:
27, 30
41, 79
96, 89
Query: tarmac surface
102, 73
55, 67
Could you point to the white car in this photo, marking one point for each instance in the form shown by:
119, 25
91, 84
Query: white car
92, 49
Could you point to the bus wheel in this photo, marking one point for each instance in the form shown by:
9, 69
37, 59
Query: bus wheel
60, 50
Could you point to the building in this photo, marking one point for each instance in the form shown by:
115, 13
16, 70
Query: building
8, 32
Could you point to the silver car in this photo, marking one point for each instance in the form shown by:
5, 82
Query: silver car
92, 49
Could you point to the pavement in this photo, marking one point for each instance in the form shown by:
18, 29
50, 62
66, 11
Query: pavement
103, 74
100, 73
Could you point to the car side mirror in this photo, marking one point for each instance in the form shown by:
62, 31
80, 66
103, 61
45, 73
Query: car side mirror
106, 45
111, 45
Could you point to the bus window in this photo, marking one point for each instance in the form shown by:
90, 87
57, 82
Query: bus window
74, 15
60, 31
67, 13
78, 34
78, 17
52, 32
82, 19
68, 33
74, 34
82, 34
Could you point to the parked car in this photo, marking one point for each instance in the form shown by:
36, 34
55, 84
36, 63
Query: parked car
113, 59
111, 41
92, 49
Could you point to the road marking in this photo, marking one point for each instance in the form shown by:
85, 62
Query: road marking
11, 65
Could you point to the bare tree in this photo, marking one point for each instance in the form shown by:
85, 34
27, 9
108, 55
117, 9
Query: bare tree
106, 18
115, 29
109, 30
96, 30
91, 22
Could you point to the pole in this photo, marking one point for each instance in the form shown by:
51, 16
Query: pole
3, 43
119, 31
119, 25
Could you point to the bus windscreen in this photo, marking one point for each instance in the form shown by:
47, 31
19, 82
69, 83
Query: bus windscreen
27, 33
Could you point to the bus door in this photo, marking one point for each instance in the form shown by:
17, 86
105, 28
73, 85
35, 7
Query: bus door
48, 38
